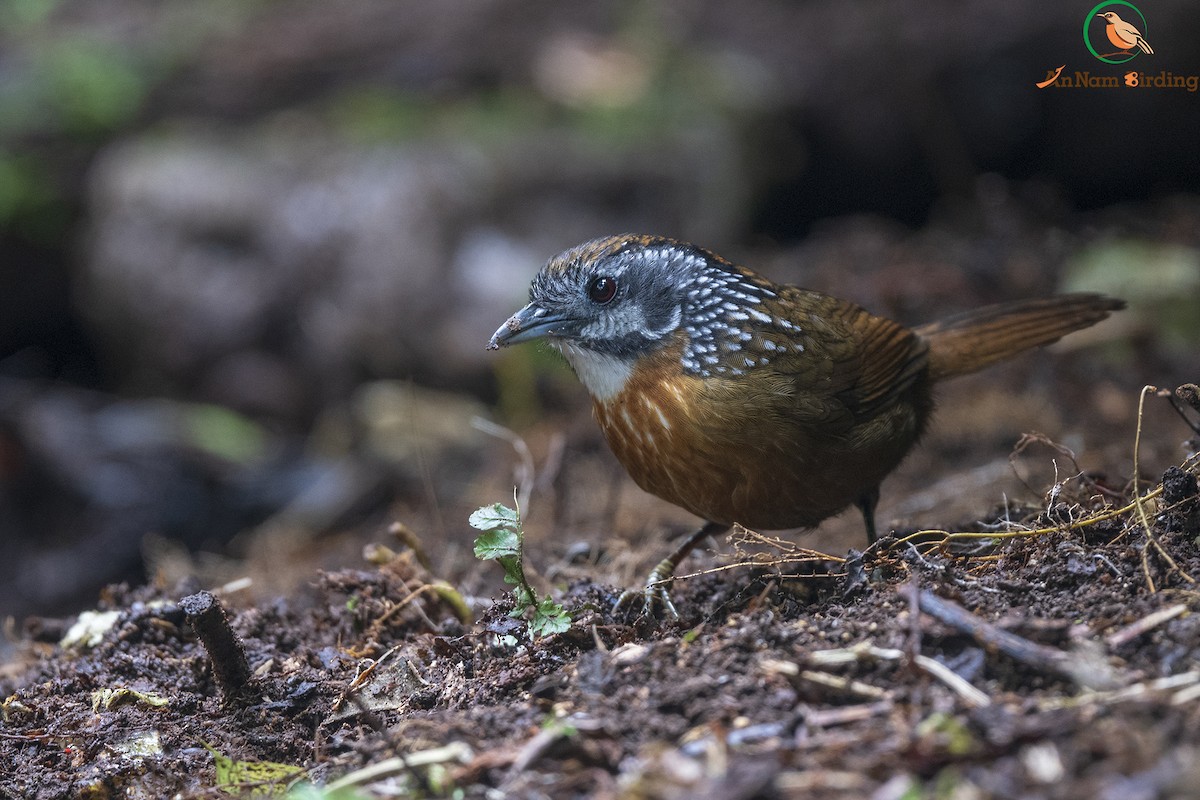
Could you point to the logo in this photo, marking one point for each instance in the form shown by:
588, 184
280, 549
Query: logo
1115, 31
1113, 38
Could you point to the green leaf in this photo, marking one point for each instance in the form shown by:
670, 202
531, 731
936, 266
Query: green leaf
501, 542
110, 698
498, 544
252, 778
549, 617
525, 599
495, 516
306, 791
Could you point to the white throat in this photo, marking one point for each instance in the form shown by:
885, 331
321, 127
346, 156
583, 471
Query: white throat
603, 375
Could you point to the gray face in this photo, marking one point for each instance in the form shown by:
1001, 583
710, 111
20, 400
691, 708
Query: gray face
624, 296
620, 304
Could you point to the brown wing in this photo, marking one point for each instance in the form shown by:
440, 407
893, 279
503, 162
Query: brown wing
852, 363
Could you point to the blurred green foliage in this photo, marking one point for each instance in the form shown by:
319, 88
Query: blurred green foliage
378, 114
224, 433
62, 89
72, 78
1159, 280
88, 87
68, 84
641, 85
16, 13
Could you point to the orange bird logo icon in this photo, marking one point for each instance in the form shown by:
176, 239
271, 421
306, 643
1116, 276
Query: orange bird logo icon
1123, 35
1051, 77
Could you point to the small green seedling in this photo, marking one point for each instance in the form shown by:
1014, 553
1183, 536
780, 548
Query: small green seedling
503, 541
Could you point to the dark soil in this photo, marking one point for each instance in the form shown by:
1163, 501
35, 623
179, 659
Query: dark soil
1068, 668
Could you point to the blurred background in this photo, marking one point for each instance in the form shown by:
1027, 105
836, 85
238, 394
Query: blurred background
251, 250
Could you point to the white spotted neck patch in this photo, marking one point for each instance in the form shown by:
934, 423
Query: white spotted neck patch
723, 311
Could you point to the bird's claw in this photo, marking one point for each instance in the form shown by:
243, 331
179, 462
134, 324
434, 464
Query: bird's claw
655, 595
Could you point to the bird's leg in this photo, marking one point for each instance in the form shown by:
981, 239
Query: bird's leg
866, 504
657, 589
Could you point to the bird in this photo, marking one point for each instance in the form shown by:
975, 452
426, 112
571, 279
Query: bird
746, 401
1123, 35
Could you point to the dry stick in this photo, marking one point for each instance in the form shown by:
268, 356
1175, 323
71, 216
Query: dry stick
847, 685
1143, 625
917, 662
455, 751
1038, 656
1000, 535
790, 554
29, 737
1141, 509
1186, 683
525, 472
1112, 513
378, 624
1137, 442
866, 650
361, 677
957, 683
1086, 522
912, 642
935, 669
230, 669
829, 717
400, 762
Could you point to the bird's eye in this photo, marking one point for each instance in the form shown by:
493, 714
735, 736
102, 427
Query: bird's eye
602, 290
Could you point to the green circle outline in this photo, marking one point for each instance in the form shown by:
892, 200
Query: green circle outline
1092, 15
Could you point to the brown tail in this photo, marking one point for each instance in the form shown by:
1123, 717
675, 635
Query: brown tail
975, 339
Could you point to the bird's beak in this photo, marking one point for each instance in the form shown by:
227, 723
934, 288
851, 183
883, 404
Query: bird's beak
531, 322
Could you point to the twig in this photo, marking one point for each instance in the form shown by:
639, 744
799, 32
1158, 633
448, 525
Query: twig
1137, 498
361, 677
957, 683
912, 642
524, 472
947, 536
932, 667
378, 624
1023, 444
1186, 695
1040, 657
455, 751
828, 717
537, 746
844, 684
1184, 682
1031, 654
1143, 625
29, 737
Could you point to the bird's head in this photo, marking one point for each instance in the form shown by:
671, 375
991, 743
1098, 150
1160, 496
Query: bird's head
609, 302
1109, 16
620, 296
